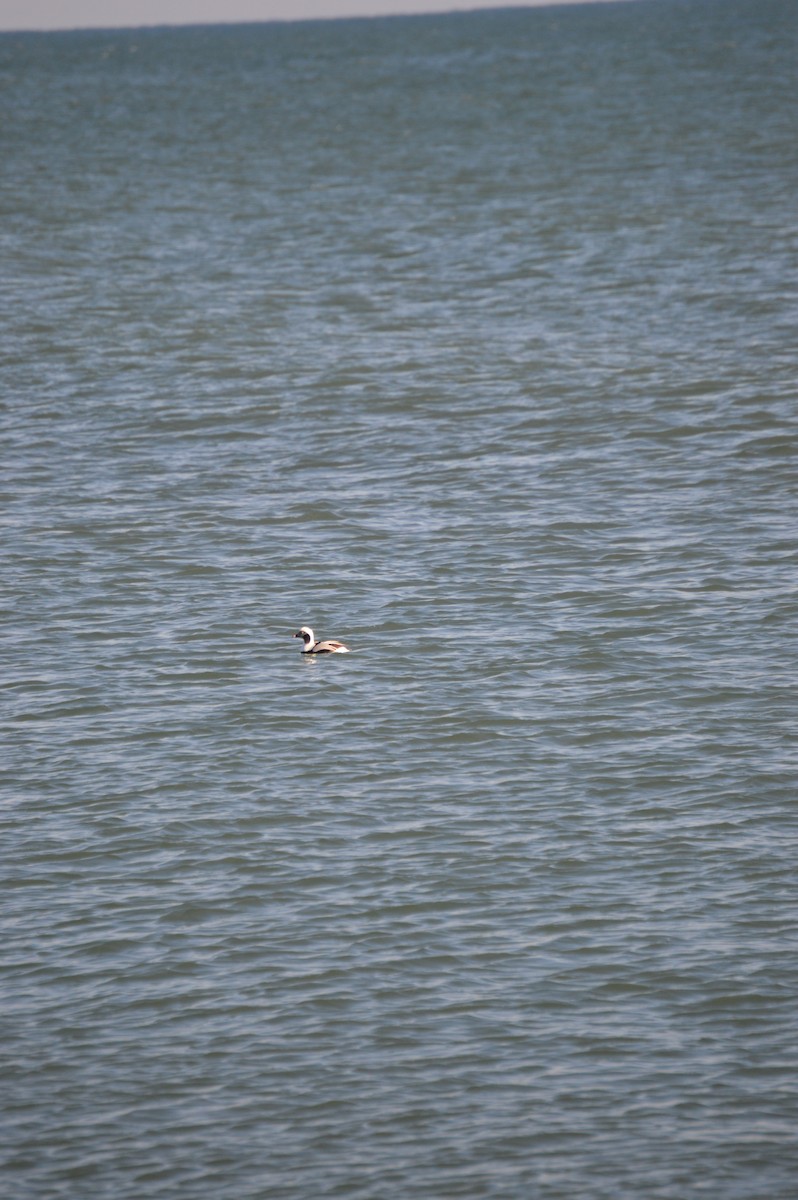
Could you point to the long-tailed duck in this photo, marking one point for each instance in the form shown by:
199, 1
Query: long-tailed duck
313, 647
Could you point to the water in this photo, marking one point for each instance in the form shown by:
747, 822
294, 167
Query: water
469, 340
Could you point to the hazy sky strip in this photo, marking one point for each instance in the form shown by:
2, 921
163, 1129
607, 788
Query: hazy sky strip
81, 14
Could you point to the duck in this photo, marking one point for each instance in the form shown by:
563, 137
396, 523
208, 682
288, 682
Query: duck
313, 647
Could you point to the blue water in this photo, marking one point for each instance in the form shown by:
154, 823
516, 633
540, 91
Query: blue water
469, 340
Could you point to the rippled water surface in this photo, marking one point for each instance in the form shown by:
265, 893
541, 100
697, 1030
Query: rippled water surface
470, 340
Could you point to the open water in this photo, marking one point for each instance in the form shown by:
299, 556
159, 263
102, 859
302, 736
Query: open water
470, 340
